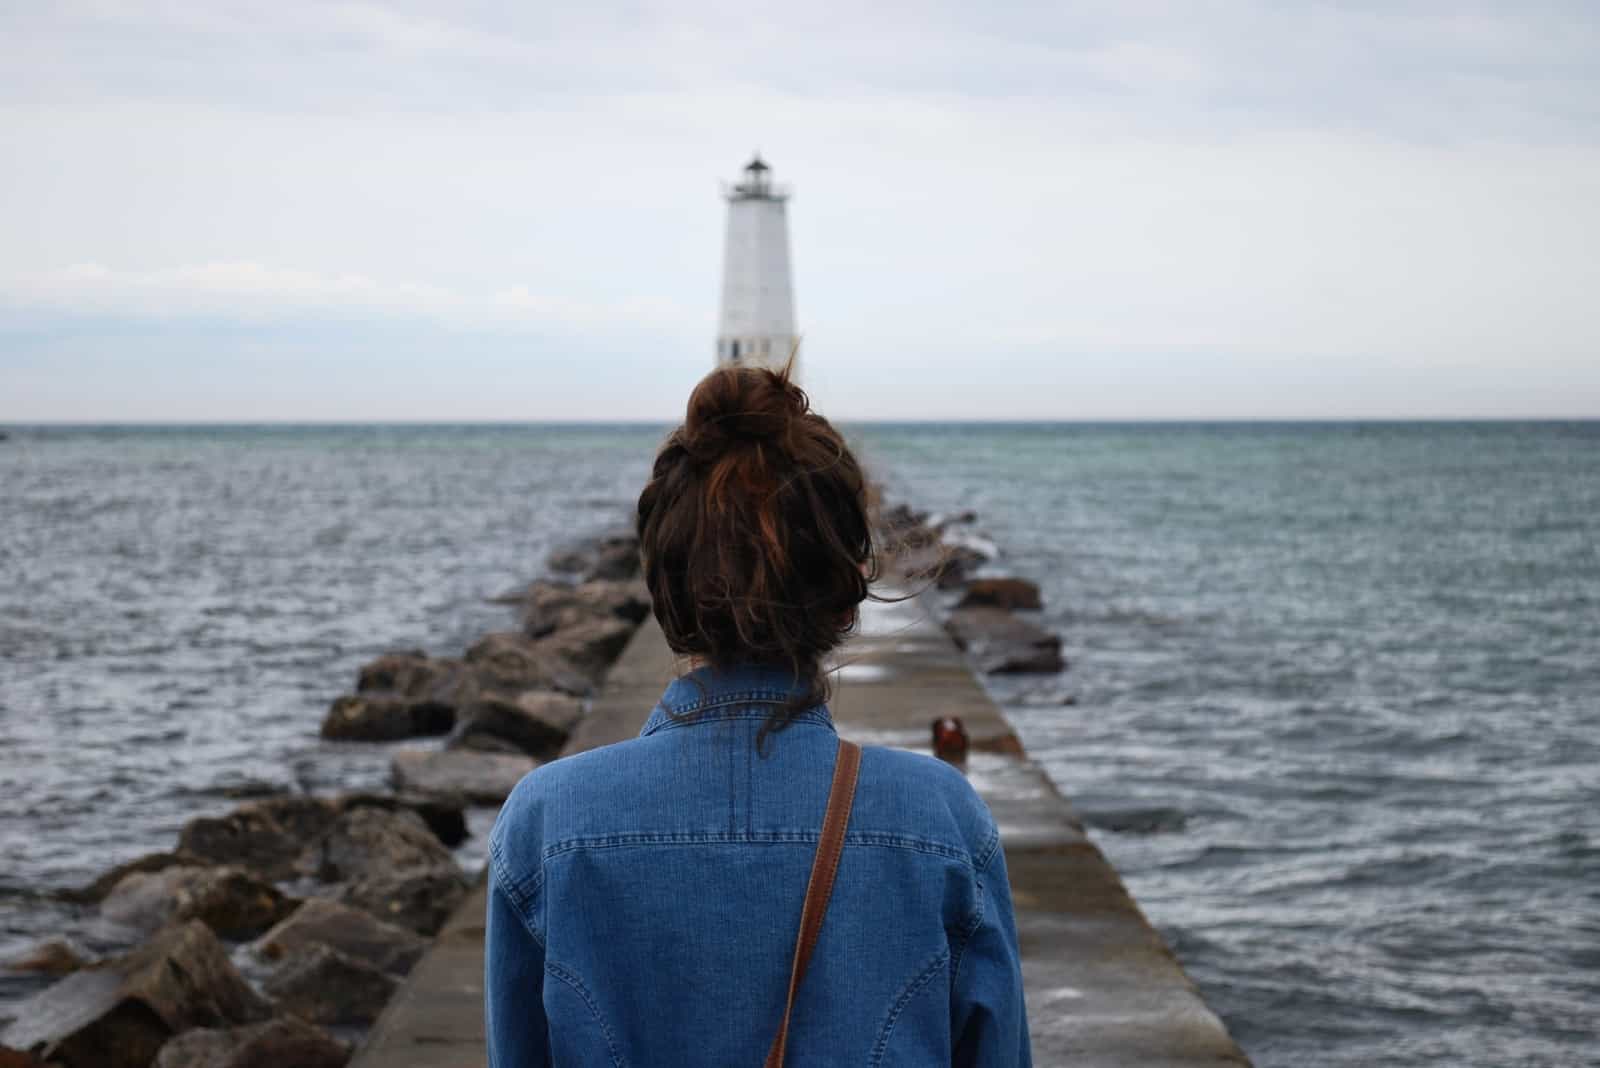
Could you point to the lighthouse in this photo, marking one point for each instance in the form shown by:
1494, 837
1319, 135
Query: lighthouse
757, 295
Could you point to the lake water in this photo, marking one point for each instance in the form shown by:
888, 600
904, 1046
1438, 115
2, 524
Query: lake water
1337, 709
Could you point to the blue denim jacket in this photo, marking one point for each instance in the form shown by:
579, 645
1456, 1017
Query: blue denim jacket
644, 899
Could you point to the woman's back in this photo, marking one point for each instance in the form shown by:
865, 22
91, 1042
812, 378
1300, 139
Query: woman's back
656, 884
645, 897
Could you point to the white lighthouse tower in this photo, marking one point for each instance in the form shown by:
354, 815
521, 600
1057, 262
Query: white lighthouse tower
757, 294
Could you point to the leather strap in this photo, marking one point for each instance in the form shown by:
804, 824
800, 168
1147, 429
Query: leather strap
823, 868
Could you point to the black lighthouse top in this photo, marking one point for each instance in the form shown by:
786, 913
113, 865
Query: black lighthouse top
757, 183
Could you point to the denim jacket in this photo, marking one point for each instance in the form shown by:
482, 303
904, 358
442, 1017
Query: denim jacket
644, 899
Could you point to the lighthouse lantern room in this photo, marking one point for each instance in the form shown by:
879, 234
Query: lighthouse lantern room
757, 326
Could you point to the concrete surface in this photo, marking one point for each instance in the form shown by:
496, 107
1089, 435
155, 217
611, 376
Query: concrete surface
1103, 990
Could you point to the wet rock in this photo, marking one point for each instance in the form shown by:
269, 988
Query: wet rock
901, 518
231, 901
418, 899
408, 674
588, 646
102, 886
1000, 643
249, 837
570, 560
366, 841
510, 662
354, 932
485, 743
550, 606
282, 1043
535, 722
119, 1013
445, 815
322, 985
53, 956
369, 717
483, 778
615, 559
1151, 819
302, 816
1011, 594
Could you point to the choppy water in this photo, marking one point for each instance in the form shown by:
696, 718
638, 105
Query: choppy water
1344, 677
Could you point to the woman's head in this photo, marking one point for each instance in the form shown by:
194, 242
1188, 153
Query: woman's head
754, 531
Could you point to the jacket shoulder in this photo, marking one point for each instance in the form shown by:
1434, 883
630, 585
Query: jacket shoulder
901, 789
528, 818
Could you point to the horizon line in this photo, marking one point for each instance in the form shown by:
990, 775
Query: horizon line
918, 421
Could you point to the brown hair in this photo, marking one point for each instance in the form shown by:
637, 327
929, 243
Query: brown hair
755, 534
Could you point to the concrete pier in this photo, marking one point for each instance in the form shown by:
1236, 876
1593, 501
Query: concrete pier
1103, 990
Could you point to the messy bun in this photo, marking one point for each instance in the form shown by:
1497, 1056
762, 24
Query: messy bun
754, 532
746, 405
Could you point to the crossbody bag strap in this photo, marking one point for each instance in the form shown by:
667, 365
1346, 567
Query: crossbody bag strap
820, 888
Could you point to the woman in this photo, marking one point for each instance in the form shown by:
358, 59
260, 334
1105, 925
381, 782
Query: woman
644, 897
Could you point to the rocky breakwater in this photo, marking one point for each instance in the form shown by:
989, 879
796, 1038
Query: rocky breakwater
988, 616
274, 934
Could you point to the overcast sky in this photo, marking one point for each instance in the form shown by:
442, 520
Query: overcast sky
1097, 210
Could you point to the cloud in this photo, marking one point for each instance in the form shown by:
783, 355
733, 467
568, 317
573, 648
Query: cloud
1053, 193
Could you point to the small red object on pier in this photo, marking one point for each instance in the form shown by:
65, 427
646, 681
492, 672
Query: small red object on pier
950, 740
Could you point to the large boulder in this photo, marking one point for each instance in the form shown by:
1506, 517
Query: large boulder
249, 837
483, 778
352, 931
374, 717
119, 1013
409, 674
534, 722
1011, 594
616, 558
1000, 643
611, 555
286, 1042
513, 662
589, 645
399, 695
550, 606
231, 901
445, 815
418, 899
322, 985
366, 841
102, 886
301, 815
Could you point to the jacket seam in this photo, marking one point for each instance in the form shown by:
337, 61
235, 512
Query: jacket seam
861, 838
911, 990
765, 694
809, 715
986, 854
572, 980
973, 924
522, 897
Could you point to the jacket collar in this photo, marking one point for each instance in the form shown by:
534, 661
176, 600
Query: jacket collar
745, 691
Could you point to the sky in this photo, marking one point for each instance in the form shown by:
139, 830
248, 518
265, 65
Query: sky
1119, 210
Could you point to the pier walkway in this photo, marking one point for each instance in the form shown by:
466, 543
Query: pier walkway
1103, 990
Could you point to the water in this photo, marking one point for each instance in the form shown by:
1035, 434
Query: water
1344, 675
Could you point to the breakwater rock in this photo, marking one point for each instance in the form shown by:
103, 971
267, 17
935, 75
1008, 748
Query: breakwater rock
988, 621
268, 924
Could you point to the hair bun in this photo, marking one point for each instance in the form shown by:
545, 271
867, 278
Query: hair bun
741, 404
